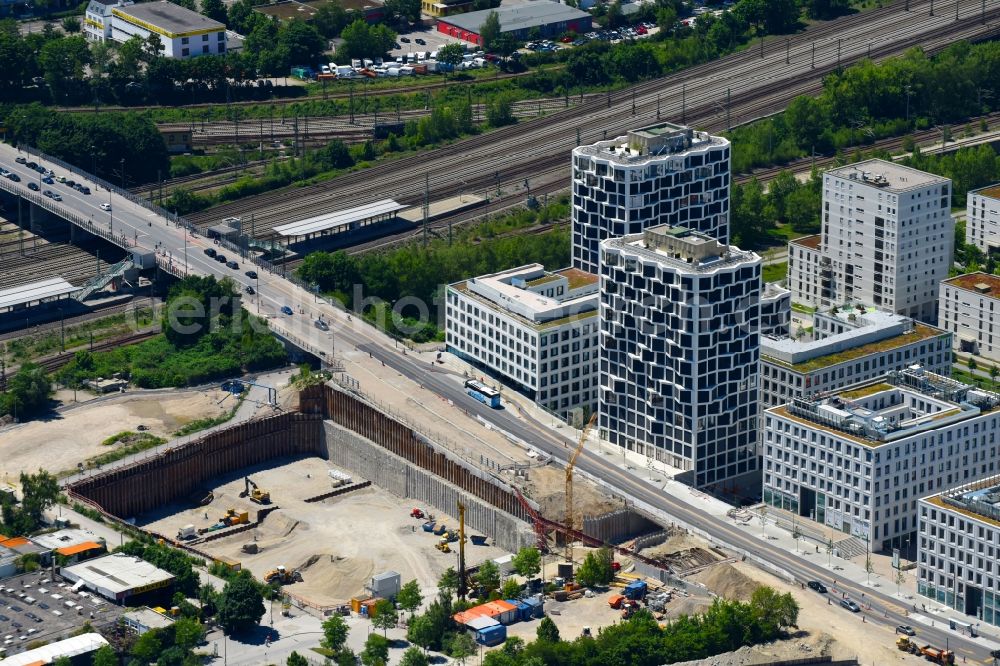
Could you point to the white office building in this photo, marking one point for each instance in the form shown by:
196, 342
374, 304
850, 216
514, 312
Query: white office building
959, 549
183, 33
663, 174
982, 218
969, 307
859, 460
536, 330
775, 310
680, 338
847, 345
887, 240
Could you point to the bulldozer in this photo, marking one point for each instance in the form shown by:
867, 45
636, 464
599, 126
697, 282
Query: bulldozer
282, 575
904, 644
442, 545
255, 494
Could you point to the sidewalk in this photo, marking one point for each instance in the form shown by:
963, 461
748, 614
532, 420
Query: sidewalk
660, 476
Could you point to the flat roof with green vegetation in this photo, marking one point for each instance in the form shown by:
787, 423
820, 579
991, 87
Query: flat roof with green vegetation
545, 279
919, 333
866, 391
578, 278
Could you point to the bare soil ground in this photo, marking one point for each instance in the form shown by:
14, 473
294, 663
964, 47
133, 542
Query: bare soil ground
337, 544
547, 486
75, 435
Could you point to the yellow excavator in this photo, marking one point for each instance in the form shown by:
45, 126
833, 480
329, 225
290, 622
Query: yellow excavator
282, 575
442, 545
255, 494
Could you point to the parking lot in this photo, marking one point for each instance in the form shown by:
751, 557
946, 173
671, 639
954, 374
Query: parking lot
433, 40
34, 608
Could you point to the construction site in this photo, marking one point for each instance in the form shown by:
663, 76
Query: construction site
330, 496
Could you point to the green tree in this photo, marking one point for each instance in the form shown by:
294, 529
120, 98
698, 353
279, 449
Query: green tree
826, 9
71, 24
510, 589
403, 10
448, 583
330, 19
302, 42
241, 604
38, 493
414, 657
376, 652
335, 632
366, 41
296, 659
188, 632
971, 363
385, 616
461, 646
451, 54
504, 45
27, 393
500, 111
215, 10
489, 31
147, 647
105, 656
172, 656
615, 18
547, 631
62, 62
409, 597
488, 577
421, 631
527, 562
994, 371
597, 568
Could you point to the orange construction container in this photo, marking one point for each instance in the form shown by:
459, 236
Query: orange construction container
615, 600
356, 603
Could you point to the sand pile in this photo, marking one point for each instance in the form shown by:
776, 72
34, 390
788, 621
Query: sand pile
727, 581
674, 544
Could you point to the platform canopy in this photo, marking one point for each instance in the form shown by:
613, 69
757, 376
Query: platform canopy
326, 221
36, 291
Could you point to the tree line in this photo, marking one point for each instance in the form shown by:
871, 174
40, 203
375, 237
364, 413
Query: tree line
869, 101
423, 271
206, 336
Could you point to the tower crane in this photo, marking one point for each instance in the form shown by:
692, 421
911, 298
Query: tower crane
570, 523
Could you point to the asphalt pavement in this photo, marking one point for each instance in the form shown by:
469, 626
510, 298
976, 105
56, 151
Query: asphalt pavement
180, 249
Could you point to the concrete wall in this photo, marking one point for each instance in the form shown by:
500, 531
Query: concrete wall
618, 526
391, 472
132, 490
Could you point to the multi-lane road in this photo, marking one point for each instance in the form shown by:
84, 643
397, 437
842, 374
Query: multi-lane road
182, 252
740, 86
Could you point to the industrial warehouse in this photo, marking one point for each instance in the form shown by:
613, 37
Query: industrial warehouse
550, 19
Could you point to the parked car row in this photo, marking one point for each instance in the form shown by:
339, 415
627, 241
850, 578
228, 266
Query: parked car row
48, 177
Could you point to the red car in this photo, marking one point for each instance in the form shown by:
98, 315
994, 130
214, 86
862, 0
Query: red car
641, 30
566, 40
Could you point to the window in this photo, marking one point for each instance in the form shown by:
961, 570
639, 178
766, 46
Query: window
184, 52
184, 40
204, 49
204, 38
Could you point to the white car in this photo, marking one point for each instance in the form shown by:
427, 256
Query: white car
105, 206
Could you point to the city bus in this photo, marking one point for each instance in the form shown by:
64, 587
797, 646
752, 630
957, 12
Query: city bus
483, 393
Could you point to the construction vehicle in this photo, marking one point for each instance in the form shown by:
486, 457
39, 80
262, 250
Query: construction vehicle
937, 655
416, 513
231, 518
255, 494
187, 532
904, 644
443, 546
629, 607
282, 575
440, 529
616, 601
570, 519
428, 526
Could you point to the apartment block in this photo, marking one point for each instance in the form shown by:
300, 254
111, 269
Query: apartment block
982, 218
184, 33
959, 549
887, 239
847, 345
969, 307
859, 460
680, 338
534, 329
662, 174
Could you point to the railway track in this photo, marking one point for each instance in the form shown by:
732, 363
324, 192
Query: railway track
288, 101
74, 263
541, 147
889, 144
54, 363
98, 312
